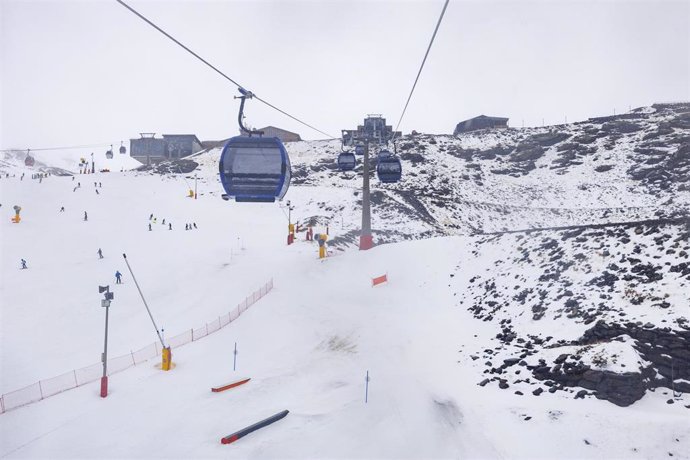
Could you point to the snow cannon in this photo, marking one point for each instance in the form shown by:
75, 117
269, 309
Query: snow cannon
16, 219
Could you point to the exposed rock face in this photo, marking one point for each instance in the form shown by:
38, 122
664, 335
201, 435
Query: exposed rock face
613, 279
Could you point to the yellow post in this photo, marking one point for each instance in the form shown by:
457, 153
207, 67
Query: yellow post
167, 359
322, 246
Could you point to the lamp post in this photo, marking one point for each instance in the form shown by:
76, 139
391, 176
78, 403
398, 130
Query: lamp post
108, 296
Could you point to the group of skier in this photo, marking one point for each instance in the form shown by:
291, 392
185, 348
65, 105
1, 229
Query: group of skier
154, 220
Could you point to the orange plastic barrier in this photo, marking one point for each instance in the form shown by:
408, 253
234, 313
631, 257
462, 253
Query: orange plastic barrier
379, 280
230, 385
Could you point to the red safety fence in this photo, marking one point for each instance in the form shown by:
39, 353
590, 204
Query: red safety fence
78, 377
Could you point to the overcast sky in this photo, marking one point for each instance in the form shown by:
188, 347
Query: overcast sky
80, 72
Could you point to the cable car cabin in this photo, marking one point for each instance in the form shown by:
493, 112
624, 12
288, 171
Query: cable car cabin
347, 161
123, 149
29, 160
109, 154
389, 168
254, 169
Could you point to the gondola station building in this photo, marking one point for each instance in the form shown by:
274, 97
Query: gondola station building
150, 149
480, 122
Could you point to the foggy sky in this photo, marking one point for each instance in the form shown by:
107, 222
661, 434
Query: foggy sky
79, 72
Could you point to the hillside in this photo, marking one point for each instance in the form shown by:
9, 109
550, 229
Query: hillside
487, 341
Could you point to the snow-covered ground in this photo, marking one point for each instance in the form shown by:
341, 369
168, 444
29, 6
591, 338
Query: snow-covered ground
309, 343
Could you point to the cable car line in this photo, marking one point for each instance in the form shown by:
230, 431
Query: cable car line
142, 17
61, 148
421, 67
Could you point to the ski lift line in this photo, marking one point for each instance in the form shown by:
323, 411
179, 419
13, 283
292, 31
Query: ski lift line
330, 136
142, 17
421, 67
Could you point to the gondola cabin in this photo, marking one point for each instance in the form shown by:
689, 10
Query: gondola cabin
109, 154
123, 150
254, 169
29, 161
388, 167
347, 161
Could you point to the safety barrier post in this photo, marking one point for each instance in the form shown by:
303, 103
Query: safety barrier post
167, 359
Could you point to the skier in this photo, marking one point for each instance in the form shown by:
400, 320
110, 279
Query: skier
186, 226
24, 267
163, 221
100, 253
169, 226
149, 226
72, 178
194, 225
118, 277
62, 209
97, 193
86, 216
151, 216
100, 185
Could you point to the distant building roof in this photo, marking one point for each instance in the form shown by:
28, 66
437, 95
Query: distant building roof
480, 122
283, 134
486, 117
182, 135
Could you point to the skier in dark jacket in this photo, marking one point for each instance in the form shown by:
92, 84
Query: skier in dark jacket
100, 253
24, 267
118, 277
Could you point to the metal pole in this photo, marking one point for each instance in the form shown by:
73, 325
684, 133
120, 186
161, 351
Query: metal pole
105, 345
143, 299
366, 241
366, 391
234, 360
104, 379
195, 186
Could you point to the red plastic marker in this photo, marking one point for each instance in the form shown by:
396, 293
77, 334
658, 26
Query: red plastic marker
230, 385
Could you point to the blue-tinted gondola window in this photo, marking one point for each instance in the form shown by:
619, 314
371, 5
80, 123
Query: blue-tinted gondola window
392, 167
255, 161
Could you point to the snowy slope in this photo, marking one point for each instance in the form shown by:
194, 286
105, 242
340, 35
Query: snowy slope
438, 351
63, 162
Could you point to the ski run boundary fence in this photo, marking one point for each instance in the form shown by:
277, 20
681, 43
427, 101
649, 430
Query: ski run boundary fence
78, 377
